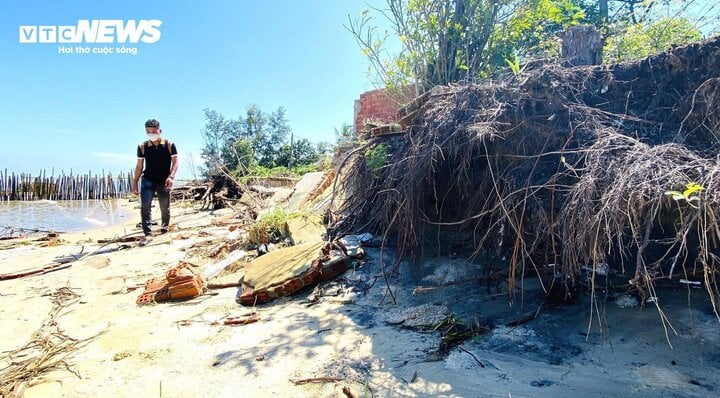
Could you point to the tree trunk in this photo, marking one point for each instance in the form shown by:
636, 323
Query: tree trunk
603, 5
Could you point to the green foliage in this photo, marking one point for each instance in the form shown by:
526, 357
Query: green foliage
255, 142
273, 225
641, 40
376, 158
689, 195
533, 28
345, 132
443, 41
302, 152
270, 226
304, 169
277, 171
228, 143
514, 65
447, 41
275, 218
274, 135
325, 149
238, 155
214, 139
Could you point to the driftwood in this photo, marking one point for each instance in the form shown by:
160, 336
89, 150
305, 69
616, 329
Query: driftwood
191, 192
220, 189
124, 239
64, 262
316, 380
224, 285
38, 271
10, 230
423, 289
242, 321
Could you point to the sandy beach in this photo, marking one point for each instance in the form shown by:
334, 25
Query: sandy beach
345, 338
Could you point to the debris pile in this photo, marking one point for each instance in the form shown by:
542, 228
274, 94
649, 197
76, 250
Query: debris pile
590, 165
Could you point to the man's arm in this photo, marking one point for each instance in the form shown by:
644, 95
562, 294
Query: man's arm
136, 177
173, 170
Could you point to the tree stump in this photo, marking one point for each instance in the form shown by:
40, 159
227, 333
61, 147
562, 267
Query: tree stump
582, 45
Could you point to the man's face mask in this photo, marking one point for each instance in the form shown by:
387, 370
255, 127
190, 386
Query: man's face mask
153, 134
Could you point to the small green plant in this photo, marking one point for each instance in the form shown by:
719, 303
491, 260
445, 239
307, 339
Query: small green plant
269, 226
275, 217
376, 158
514, 64
274, 225
689, 194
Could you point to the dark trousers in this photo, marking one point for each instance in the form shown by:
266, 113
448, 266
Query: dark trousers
147, 190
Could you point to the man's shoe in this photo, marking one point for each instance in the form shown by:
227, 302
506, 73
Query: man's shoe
163, 230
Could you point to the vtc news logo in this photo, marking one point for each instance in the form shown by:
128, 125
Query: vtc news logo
94, 31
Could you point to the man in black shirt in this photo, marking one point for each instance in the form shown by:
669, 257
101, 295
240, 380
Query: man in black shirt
161, 163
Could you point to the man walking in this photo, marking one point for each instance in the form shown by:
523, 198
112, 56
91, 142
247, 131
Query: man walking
159, 157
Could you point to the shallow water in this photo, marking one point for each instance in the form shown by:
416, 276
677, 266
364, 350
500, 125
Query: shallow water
61, 216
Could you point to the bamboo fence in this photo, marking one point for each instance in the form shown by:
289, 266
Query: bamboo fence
24, 186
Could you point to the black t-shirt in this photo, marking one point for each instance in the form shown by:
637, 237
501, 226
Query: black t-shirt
157, 159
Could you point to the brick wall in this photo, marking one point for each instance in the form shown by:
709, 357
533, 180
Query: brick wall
377, 105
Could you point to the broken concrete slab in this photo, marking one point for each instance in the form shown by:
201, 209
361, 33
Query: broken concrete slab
306, 229
215, 269
281, 265
290, 270
280, 196
307, 183
322, 186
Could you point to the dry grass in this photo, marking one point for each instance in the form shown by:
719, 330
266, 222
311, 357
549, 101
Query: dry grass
49, 349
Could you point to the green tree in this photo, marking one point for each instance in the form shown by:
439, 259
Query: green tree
641, 40
252, 129
257, 139
219, 137
445, 41
302, 152
533, 29
276, 133
324, 149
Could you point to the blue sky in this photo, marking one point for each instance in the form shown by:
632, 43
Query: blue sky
86, 111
